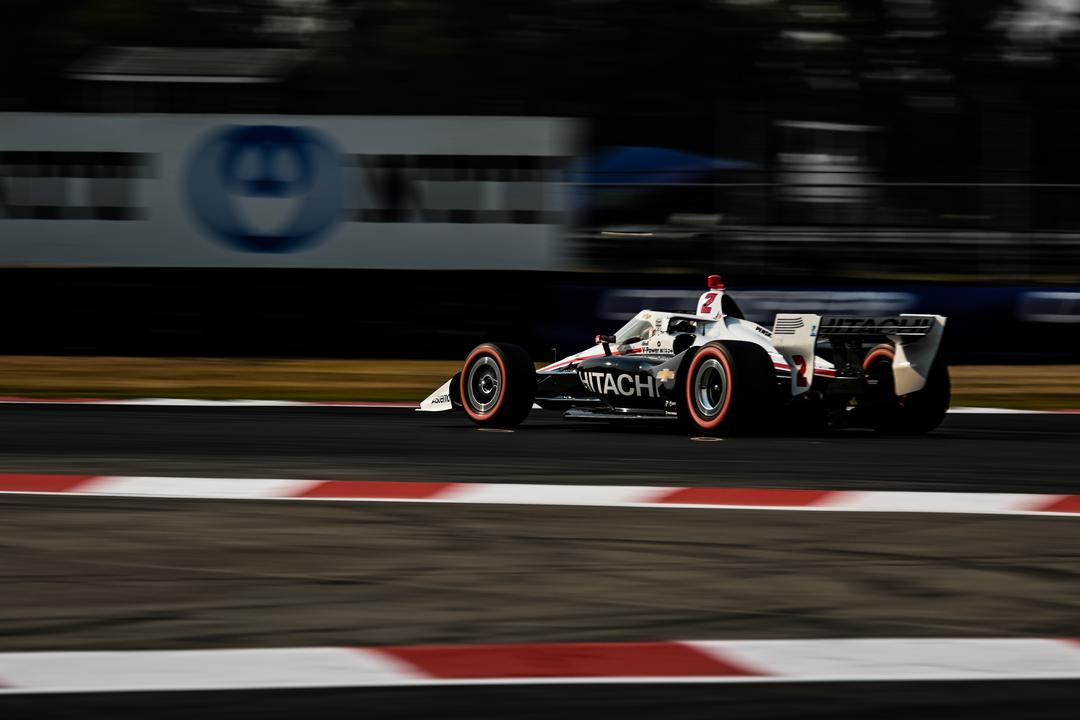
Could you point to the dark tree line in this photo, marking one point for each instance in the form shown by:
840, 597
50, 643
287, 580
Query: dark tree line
702, 74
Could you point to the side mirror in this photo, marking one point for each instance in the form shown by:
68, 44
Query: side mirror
606, 341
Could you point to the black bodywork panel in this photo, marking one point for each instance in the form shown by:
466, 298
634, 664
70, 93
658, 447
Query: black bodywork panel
612, 381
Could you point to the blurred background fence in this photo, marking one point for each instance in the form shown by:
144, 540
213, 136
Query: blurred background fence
325, 177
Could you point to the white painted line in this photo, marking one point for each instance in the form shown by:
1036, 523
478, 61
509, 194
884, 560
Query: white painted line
528, 494
867, 659
1001, 411
164, 670
202, 488
928, 502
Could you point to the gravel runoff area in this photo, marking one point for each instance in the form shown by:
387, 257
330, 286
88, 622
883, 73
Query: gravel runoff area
1030, 386
91, 573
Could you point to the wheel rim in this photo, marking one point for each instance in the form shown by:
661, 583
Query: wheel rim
484, 384
710, 388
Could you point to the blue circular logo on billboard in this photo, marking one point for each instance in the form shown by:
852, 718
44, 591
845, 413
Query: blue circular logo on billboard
266, 188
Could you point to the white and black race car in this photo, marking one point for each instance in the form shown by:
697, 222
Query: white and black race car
719, 373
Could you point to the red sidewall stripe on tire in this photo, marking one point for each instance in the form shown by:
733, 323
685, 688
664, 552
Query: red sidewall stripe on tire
872, 357
480, 351
690, 387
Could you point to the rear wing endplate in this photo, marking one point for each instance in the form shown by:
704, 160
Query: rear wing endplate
916, 337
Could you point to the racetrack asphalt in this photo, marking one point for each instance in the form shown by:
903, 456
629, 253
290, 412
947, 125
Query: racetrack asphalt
1018, 453
112, 573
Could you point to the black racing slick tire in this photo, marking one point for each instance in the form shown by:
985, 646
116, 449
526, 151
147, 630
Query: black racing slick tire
498, 385
725, 388
916, 413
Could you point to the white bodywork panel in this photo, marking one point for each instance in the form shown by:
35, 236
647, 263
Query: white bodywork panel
594, 351
915, 356
709, 304
660, 343
439, 400
795, 337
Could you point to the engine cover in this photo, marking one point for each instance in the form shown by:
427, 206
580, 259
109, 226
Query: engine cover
625, 381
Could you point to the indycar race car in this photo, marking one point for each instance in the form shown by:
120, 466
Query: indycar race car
719, 373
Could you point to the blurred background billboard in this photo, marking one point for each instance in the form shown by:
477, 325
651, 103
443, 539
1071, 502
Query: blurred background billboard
282, 191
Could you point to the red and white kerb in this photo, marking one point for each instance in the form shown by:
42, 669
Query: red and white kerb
710, 661
640, 496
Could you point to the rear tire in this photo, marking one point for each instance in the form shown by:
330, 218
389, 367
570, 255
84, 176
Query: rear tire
498, 385
916, 413
726, 387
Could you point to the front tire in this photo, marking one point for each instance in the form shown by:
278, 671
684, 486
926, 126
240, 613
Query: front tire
916, 413
498, 385
726, 388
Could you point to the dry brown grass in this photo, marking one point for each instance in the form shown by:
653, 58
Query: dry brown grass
1028, 386
1050, 387
222, 378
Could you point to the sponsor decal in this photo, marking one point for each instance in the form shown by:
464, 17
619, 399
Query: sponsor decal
876, 325
81, 185
625, 384
294, 167
425, 189
763, 331
441, 400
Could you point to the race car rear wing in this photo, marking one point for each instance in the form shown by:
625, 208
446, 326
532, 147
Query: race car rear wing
903, 325
916, 337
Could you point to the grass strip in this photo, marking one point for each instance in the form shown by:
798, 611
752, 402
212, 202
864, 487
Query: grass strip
1036, 387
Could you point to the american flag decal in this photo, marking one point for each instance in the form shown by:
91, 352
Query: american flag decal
788, 326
